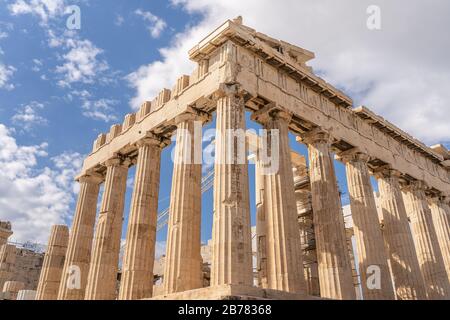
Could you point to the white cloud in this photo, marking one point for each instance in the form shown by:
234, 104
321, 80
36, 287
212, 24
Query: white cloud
33, 197
82, 94
54, 40
401, 71
102, 109
4, 28
81, 63
37, 64
68, 164
130, 182
6, 73
119, 20
44, 9
157, 25
98, 109
27, 116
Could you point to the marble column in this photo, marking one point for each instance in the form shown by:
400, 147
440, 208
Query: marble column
376, 281
138, 259
231, 236
7, 263
76, 265
102, 277
183, 264
53, 264
399, 242
441, 223
335, 271
306, 230
445, 203
261, 226
425, 240
284, 258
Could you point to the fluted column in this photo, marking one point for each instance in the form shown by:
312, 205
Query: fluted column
76, 265
7, 263
306, 230
261, 225
138, 259
397, 235
284, 259
441, 223
335, 272
376, 281
445, 203
425, 240
53, 264
183, 264
102, 277
231, 236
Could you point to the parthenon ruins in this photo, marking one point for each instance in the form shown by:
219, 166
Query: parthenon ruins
402, 233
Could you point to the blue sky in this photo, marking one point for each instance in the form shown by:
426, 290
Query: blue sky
55, 116
60, 88
131, 46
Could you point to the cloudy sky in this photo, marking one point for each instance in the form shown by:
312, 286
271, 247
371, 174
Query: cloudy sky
59, 88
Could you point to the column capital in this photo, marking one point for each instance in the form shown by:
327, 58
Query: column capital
194, 115
353, 154
118, 160
316, 135
434, 199
446, 200
416, 185
271, 112
95, 178
153, 139
437, 197
386, 171
228, 90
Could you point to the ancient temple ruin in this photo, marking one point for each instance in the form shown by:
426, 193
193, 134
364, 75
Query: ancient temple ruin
302, 243
20, 267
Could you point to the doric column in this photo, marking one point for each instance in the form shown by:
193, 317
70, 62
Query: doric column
261, 225
441, 223
397, 235
231, 236
7, 263
306, 229
78, 256
376, 281
351, 253
445, 203
53, 264
335, 272
425, 240
138, 259
102, 277
183, 264
284, 259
